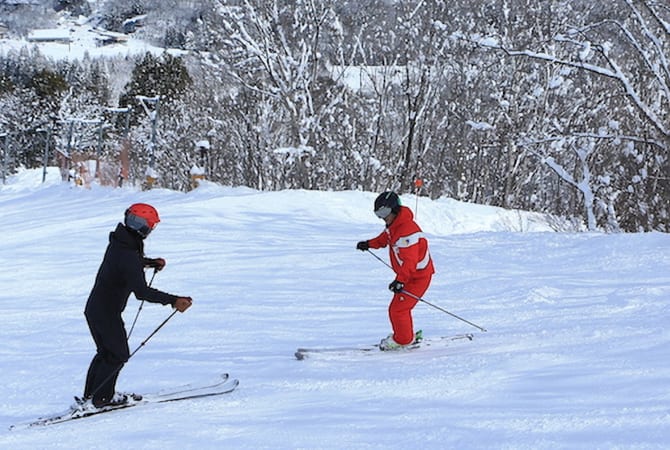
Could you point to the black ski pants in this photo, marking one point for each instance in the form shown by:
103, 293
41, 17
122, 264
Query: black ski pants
109, 334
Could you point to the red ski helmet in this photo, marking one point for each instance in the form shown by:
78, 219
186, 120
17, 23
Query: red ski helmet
141, 218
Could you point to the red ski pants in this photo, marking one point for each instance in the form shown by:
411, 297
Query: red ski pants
400, 310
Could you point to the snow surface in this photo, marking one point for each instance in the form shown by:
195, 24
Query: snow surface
576, 353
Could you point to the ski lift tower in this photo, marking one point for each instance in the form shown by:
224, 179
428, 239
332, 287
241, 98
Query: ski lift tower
47, 130
5, 158
146, 102
126, 124
124, 160
66, 169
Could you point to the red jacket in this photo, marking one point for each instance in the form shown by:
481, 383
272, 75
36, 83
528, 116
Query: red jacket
408, 247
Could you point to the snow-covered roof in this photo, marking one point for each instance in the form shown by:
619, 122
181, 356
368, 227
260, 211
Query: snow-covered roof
135, 20
364, 78
19, 2
50, 35
110, 37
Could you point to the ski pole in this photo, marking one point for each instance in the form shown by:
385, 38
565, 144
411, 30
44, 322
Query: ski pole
380, 260
151, 335
424, 301
109, 377
442, 309
140, 308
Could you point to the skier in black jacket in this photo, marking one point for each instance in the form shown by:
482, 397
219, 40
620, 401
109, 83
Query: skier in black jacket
121, 272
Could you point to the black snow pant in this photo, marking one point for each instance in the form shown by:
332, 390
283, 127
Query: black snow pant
109, 334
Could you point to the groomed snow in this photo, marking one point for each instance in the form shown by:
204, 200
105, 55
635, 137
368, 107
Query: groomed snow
576, 354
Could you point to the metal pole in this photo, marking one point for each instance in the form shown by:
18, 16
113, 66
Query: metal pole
153, 115
381, 260
126, 132
154, 120
424, 301
68, 157
140, 308
99, 151
442, 309
5, 158
45, 158
95, 391
126, 128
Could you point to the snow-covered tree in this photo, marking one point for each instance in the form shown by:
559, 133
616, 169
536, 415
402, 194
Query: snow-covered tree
624, 48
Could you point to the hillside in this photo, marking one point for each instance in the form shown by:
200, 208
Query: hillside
480, 104
62, 35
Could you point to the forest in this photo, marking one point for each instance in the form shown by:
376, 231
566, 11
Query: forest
554, 106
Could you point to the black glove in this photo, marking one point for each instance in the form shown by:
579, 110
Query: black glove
396, 286
363, 246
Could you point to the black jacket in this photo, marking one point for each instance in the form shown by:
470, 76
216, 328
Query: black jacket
122, 272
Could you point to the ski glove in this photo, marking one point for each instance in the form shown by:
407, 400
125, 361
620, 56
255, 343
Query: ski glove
396, 286
155, 263
183, 303
363, 246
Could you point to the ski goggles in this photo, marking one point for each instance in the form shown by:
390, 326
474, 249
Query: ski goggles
139, 224
383, 212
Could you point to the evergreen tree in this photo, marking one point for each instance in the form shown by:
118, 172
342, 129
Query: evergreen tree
165, 76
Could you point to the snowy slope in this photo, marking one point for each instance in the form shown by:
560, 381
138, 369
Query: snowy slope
576, 353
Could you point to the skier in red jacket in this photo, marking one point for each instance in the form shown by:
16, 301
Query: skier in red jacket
410, 260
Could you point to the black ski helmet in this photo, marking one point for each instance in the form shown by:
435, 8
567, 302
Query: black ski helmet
386, 203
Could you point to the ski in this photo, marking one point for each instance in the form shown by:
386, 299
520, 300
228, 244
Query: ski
445, 339
303, 353
223, 385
